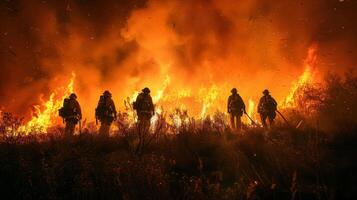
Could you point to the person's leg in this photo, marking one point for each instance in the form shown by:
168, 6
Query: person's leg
147, 124
263, 118
73, 127
232, 121
107, 129
271, 120
102, 129
140, 124
67, 129
70, 127
143, 125
143, 131
239, 123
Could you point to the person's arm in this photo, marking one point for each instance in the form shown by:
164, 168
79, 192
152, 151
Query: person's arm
100, 104
260, 105
96, 109
243, 105
228, 103
152, 105
79, 110
275, 103
137, 101
114, 109
138, 98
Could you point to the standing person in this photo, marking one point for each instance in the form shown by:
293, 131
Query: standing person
144, 108
236, 108
71, 114
105, 113
267, 108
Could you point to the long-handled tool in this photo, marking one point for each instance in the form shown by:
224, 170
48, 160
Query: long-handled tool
253, 122
282, 116
299, 124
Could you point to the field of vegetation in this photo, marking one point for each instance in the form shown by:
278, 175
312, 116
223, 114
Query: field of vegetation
198, 160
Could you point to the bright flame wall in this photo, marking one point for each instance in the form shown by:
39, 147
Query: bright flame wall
204, 47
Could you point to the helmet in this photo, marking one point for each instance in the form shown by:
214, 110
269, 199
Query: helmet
73, 96
107, 93
146, 90
234, 90
266, 92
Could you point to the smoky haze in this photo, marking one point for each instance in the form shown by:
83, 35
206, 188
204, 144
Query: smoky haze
126, 45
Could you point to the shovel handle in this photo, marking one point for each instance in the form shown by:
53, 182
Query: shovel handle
282, 116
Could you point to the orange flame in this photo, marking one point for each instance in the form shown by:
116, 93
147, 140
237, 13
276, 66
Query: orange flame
305, 78
46, 118
208, 100
251, 107
208, 97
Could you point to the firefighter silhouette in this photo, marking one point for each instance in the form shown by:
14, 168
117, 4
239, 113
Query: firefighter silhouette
267, 108
144, 108
236, 108
105, 112
71, 114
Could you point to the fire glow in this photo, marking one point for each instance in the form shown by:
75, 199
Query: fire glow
43, 119
305, 78
209, 99
189, 53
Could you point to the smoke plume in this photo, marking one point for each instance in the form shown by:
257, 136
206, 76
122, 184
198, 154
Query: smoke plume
126, 45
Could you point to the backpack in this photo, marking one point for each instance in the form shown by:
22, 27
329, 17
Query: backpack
99, 111
64, 111
103, 110
135, 105
269, 104
236, 103
143, 103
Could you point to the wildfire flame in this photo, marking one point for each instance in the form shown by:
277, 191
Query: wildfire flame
208, 98
305, 78
160, 93
43, 119
250, 111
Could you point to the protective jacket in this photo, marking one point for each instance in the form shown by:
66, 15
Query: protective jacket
235, 105
71, 110
105, 110
144, 104
267, 105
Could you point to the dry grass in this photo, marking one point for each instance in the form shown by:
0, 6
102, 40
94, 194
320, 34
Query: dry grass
203, 164
199, 160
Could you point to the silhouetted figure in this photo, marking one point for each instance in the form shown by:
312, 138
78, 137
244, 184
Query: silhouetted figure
144, 108
71, 114
267, 108
236, 108
105, 112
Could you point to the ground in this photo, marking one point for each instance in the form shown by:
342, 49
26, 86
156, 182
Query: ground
204, 163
